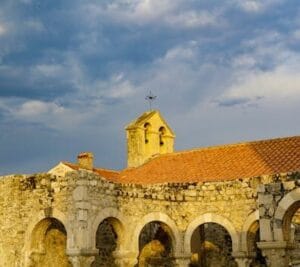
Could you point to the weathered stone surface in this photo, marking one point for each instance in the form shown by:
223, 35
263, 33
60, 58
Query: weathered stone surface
82, 200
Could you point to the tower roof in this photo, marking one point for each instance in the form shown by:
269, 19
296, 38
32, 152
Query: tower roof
145, 117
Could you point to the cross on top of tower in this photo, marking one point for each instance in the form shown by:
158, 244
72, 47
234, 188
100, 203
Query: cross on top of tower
150, 98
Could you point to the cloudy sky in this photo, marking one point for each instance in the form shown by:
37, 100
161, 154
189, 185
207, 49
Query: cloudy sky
73, 73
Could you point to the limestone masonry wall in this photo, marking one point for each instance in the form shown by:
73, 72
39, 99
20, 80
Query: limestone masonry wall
81, 200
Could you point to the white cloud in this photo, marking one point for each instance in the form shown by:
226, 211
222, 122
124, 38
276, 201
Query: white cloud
193, 19
251, 5
49, 114
121, 90
172, 13
180, 53
33, 109
296, 35
244, 61
48, 70
153, 9
2, 29
255, 6
279, 86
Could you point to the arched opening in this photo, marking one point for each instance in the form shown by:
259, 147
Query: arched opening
155, 245
48, 244
162, 132
253, 237
162, 140
147, 127
211, 245
108, 237
291, 231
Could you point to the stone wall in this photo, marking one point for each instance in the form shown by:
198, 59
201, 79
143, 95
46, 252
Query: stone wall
82, 200
22, 200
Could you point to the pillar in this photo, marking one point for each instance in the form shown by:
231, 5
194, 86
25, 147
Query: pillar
275, 252
125, 258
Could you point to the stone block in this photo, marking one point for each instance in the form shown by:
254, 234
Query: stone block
80, 193
261, 188
265, 199
191, 193
262, 211
290, 185
265, 230
82, 215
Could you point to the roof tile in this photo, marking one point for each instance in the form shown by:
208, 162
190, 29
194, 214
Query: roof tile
219, 163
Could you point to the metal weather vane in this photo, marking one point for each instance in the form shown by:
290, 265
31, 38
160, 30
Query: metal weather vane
150, 98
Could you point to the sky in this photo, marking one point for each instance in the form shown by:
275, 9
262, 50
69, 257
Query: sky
73, 73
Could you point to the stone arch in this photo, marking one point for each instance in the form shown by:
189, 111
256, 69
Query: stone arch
41, 215
248, 226
118, 223
211, 218
250, 235
46, 242
55, 213
159, 217
284, 213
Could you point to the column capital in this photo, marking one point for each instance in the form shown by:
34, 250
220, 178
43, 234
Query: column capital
272, 244
275, 252
242, 258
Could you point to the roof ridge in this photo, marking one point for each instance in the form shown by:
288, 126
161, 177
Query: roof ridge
95, 168
105, 169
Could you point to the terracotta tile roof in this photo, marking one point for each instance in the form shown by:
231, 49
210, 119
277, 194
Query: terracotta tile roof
110, 175
219, 163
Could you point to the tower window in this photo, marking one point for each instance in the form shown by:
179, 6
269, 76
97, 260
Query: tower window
162, 131
147, 126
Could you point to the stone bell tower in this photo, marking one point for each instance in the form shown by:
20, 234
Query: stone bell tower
148, 135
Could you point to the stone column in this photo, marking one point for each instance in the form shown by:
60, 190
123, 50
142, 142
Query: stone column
242, 259
275, 252
182, 260
125, 258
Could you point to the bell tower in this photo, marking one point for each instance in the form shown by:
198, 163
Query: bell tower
148, 135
